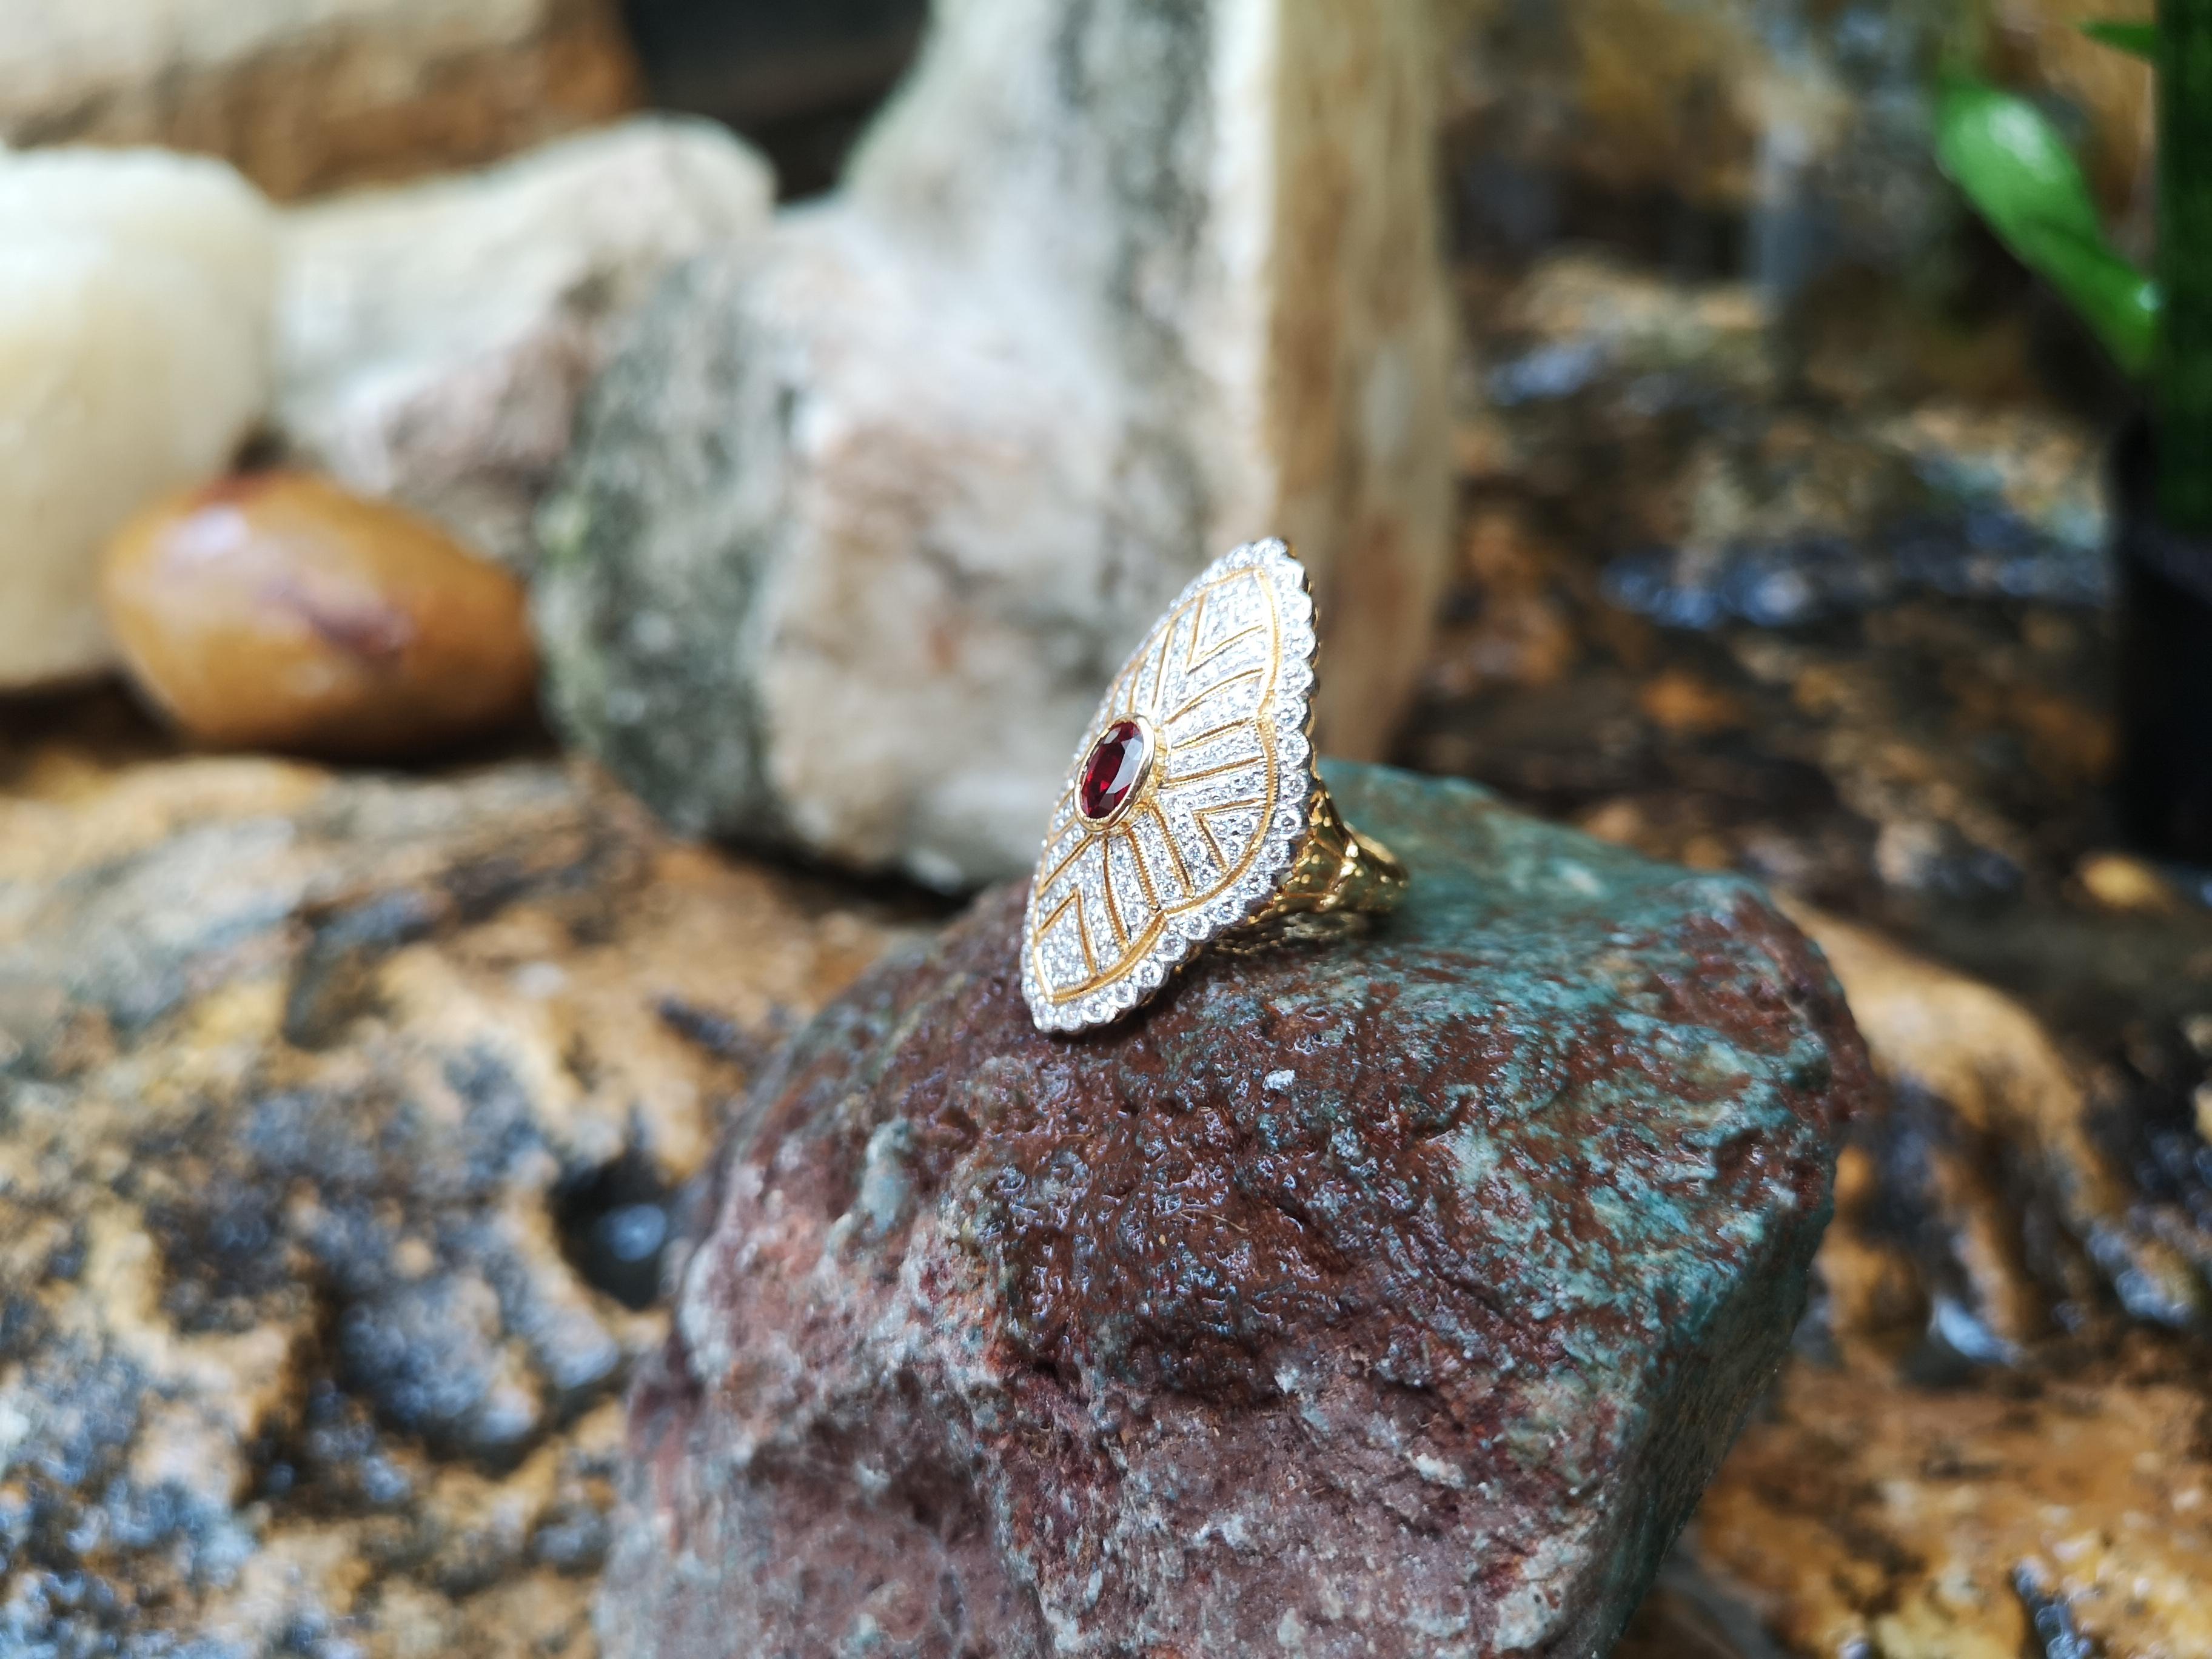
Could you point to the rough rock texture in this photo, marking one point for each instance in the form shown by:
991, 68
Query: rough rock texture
1393, 1296
309, 97
338, 1122
134, 358
275, 610
435, 340
1110, 289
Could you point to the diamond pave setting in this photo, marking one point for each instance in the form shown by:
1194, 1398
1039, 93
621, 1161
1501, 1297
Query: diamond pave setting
1223, 684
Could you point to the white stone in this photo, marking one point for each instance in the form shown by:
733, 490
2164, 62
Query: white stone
134, 306
434, 339
1110, 288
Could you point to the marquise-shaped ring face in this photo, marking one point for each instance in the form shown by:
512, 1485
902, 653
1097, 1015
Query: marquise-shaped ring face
1188, 797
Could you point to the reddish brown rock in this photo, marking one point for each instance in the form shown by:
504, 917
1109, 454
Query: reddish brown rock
274, 611
1391, 1297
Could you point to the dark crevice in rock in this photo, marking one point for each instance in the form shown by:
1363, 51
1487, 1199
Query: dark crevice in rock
615, 1222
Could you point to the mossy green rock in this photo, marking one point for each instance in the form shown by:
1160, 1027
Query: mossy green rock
1391, 1297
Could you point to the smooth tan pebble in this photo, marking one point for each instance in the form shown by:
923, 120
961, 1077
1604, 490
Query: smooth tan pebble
278, 611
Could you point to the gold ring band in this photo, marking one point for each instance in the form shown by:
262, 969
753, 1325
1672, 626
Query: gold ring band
1339, 870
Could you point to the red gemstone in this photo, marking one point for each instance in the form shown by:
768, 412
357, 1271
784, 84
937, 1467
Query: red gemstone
1116, 762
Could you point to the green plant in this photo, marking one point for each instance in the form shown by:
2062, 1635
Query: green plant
2021, 177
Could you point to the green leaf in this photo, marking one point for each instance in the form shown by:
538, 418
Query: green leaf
2017, 171
2137, 39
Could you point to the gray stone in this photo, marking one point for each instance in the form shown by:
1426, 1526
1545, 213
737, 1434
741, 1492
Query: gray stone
863, 515
435, 339
1396, 1296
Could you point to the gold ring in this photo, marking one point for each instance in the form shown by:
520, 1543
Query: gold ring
1194, 815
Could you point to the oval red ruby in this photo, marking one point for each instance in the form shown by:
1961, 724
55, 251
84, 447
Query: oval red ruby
1115, 764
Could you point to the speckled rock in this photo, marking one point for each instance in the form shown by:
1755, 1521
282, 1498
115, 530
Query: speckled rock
276, 610
1390, 1297
338, 1124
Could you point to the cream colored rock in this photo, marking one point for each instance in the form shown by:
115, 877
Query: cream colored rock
434, 339
135, 294
312, 95
863, 518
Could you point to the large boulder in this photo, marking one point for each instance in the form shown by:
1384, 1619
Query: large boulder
863, 515
340, 1120
1391, 1297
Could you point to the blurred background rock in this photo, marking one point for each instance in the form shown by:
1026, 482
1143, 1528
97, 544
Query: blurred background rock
307, 98
1775, 544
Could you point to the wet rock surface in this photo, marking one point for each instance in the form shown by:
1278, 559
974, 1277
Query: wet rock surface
1747, 600
1759, 137
341, 1124
2061, 1513
1746, 131
1392, 1296
1820, 598
278, 611
1992, 1437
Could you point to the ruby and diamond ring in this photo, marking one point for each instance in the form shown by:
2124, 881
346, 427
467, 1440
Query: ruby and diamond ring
1193, 813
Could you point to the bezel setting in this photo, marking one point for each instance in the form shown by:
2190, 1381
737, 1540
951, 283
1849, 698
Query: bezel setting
1148, 751
1222, 685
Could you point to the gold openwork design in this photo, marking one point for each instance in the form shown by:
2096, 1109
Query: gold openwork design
1225, 825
